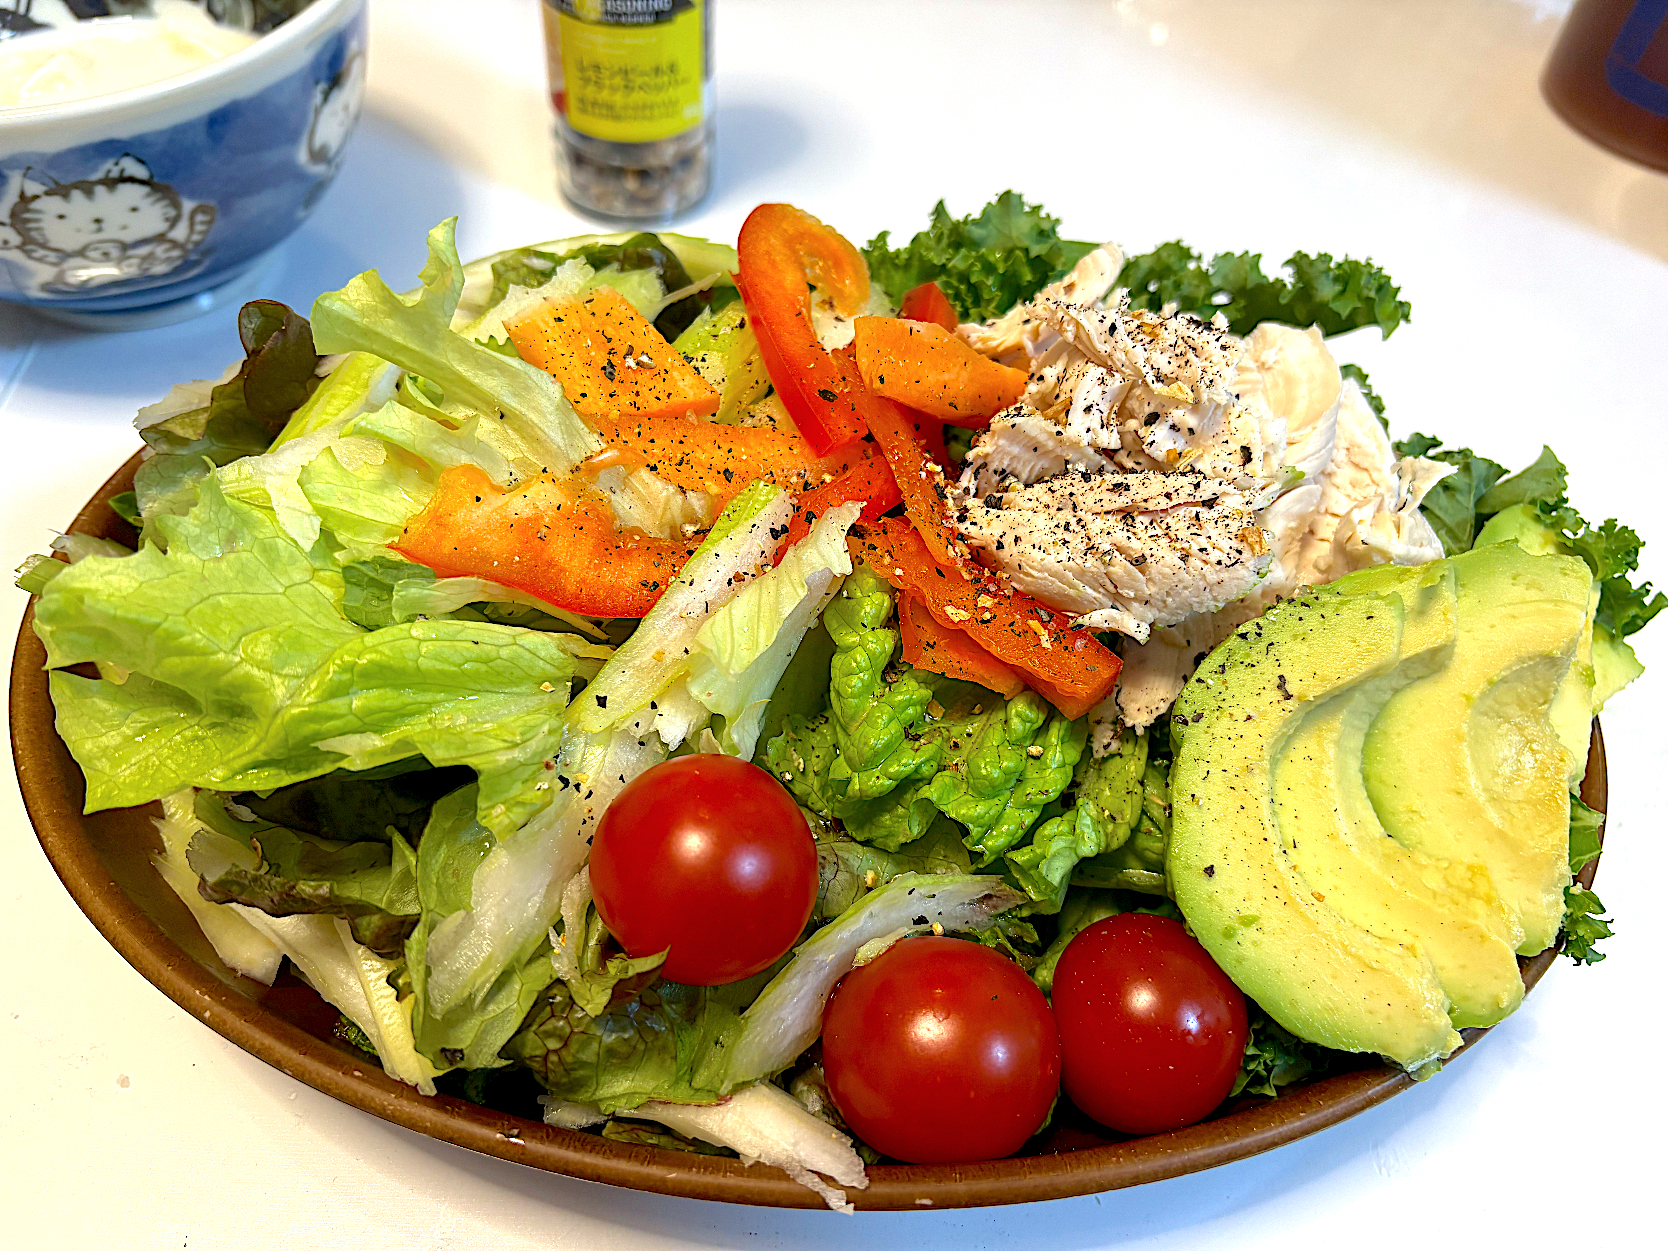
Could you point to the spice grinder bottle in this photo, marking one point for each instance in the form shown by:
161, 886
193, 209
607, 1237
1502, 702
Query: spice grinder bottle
1608, 76
631, 81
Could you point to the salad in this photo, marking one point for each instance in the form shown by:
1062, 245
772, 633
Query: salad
824, 703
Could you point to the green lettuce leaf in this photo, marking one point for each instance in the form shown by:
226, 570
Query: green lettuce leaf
657, 655
601, 966
984, 264
1585, 825
908, 744
415, 333
1335, 296
663, 1041
473, 1032
1138, 863
642, 254
241, 418
287, 873
847, 866
353, 807
246, 675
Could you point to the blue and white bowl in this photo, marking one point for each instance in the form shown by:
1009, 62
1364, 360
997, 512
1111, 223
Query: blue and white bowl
159, 203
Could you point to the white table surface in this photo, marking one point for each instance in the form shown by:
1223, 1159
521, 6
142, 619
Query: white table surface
1409, 130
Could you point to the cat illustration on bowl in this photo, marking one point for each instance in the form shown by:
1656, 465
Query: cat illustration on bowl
118, 225
335, 109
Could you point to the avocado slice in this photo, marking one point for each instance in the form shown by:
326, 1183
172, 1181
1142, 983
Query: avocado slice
1465, 764
1447, 912
1322, 975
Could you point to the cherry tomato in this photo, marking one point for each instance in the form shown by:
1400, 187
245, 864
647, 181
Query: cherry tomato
1153, 1032
709, 856
941, 1051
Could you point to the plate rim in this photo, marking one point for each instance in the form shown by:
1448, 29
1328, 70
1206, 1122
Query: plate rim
51, 786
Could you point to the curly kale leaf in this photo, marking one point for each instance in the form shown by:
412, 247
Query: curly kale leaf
1105, 811
1584, 925
1460, 504
1611, 551
1335, 296
1275, 1057
984, 264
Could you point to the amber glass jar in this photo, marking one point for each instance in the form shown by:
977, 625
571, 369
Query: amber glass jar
1608, 76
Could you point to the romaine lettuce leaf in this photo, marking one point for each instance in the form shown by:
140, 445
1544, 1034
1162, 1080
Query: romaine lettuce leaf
1101, 819
513, 896
743, 648
470, 1031
787, 1016
657, 656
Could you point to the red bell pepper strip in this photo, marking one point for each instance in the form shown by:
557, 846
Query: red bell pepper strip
782, 250
928, 303
869, 482
718, 459
1066, 665
927, 644
543, 537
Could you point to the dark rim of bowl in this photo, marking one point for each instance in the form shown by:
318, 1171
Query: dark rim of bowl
52, 789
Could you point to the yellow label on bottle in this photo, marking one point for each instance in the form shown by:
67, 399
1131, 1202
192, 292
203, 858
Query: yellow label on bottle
632, 83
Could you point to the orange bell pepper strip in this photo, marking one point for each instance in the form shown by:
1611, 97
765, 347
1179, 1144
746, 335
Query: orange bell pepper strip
1066, 665
928, 302
926, 494
929, 645
925, 367
782, 250
609, 360
546, 538
718, 459
868, 482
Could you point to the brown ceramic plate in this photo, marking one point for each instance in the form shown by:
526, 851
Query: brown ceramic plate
103, 859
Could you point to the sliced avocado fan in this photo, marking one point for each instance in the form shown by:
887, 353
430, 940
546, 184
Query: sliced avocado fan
1370, 803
